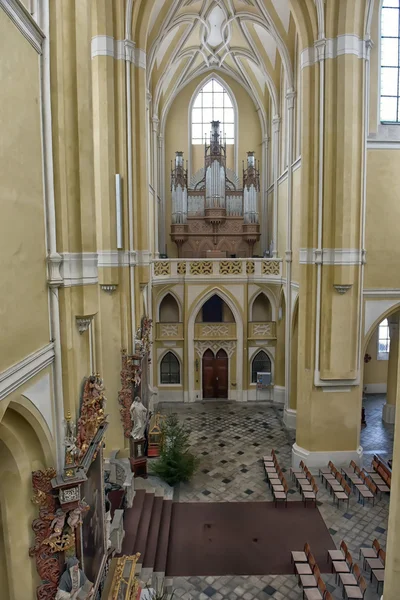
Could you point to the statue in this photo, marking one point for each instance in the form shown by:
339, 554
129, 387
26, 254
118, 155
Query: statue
57, 524
73, 584
138, 415
75, 515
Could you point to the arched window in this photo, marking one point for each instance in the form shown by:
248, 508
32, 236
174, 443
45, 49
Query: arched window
261, 364
170, 372
261, 309
383, 340
390, 61
212, 103
169, 310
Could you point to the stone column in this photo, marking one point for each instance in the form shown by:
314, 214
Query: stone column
389, 410
392, 569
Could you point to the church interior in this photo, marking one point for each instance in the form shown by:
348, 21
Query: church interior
209, 246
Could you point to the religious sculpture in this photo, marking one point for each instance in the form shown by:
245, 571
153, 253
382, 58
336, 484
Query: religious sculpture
57, 524
92, 412
73, 584
75, 515
138, 414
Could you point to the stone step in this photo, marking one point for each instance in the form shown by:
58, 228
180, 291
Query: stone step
154, 532
160, 562
132, 517
144, 527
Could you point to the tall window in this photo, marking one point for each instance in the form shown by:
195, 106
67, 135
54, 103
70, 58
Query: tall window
212, 104
170, 369
383, 340
390, 61
261, 364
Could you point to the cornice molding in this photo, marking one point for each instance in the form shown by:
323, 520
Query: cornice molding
21, 18
381, 293
19, 373
334, 47
106, 45
383, 144
331, 256
79, 268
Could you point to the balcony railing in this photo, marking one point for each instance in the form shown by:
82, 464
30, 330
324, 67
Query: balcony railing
192, 268
169, 331
262, 330
215, 331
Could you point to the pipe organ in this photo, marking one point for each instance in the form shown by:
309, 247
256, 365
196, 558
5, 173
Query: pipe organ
215, 219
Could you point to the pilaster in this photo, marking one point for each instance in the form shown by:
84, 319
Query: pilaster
389, 409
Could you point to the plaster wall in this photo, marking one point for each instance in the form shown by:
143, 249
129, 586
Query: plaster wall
282, 222
24, 314
382, 219
296, 225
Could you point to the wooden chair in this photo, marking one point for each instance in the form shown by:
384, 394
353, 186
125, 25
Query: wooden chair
315, 593
379, 576
310, 581
281, 496
350, 469
366, 491
301, 556
342, 566
344, 495
377, 563
338, 554
353, 592
350, 578
326, 470
305, 568
370, 552
310, 495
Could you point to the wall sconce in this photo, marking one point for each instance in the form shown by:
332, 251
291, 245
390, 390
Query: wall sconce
196, 362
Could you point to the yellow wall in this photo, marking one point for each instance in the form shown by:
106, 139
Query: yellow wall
382, 220
296, 225
375, 372
282, 221
24, 321
176, 138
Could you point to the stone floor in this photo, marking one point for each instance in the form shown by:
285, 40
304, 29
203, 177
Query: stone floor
230, 440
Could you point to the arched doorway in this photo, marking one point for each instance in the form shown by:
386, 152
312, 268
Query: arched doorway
215, 374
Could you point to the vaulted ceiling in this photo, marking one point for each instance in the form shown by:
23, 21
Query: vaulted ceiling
252, 41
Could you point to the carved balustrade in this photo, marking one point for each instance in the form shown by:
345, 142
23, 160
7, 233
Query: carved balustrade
169, 331
192, 269
262, 330
214, 331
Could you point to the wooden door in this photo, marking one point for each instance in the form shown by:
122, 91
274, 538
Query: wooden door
221, 374
208, 374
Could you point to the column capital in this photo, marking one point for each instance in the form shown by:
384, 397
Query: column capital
320, 46
148, 98
276, 123
369, 44
129, 47
155, 122
265, 141
290, 97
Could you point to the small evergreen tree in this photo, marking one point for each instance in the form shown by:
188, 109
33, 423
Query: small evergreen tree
176, 462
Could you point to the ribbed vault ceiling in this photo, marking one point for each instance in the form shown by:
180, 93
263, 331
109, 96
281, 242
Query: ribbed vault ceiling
249, 40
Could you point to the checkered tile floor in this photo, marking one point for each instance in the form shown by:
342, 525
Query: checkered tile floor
230, 440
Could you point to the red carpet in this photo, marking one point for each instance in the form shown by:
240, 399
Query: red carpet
243, 538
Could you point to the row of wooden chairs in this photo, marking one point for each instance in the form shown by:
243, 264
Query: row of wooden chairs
276, 479
381, 478
305, 482
347, 573
364, 483
374, 558
309, 575
338, 486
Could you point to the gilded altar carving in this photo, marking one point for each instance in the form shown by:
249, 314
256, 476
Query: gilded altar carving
270, 267
162, 268
47, 563
230, 267
92, 412
129, 383
250, 267
201, 267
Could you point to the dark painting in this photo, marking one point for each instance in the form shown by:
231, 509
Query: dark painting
93, 528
